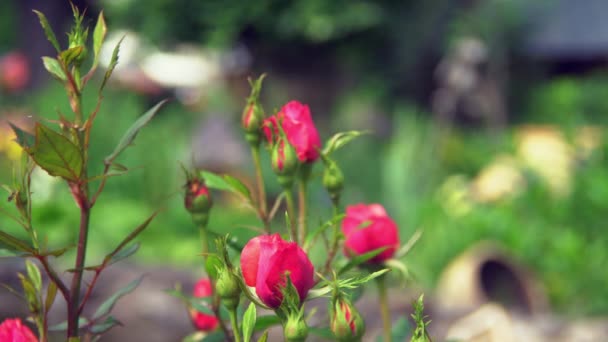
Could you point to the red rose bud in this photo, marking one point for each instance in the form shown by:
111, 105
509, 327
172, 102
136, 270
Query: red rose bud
267, 259
299, 128
284, 162
367, 228
13, 330
295, 330
202, 321
227, 287
198, 200
333, 179
346, 322
252, 119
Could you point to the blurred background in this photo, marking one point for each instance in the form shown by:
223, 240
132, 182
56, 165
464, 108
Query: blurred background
488, 121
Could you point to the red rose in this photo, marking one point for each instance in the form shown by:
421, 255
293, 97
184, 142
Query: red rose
299, 128
266, 259
12, 330
202, 321
367, 228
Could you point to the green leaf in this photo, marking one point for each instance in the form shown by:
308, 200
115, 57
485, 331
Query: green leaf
217, 336
340, 139
14, 244
226, 183
238, 186
401, 329
112, 65
99, 34
322, 332
51, 293
248, 323
48, 31
24, 139
104, 326
30, 293
212, 265
63, 326
214, 181
199, 305
68, 56
124, 253
266, 321
57, 252
360, 259
34, 274
116, 255
264, 337
109, 303
54, 68
56, 154
132, 132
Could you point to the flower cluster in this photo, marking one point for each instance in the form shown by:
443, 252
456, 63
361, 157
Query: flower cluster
275, 269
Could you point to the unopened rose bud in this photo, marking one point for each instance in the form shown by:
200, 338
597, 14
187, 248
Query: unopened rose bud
198, 200
295, 329
15, 330
252, 119
284, 162
227, 287
333, 179
345, 322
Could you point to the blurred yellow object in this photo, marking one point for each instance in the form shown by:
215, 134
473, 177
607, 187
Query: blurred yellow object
544, 150
8, 146
501, 178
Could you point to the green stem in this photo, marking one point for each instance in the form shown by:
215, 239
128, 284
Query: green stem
291, 211
263, 207
235, 325
202, 229
335, 242
302, 209
384, 310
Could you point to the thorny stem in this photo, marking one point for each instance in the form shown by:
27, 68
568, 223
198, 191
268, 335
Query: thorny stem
384, 310
291, 210
263, 207
302, 209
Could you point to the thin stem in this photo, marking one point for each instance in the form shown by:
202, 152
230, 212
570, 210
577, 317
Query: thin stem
74, 301
89, 290
335, 242
302, 209
235, 325
65, 292
384, 310
263, 207
215, 304
291, 211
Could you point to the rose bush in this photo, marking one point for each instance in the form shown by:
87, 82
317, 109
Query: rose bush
202, 321
265, 262
367, 228
13, 330
296, 121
